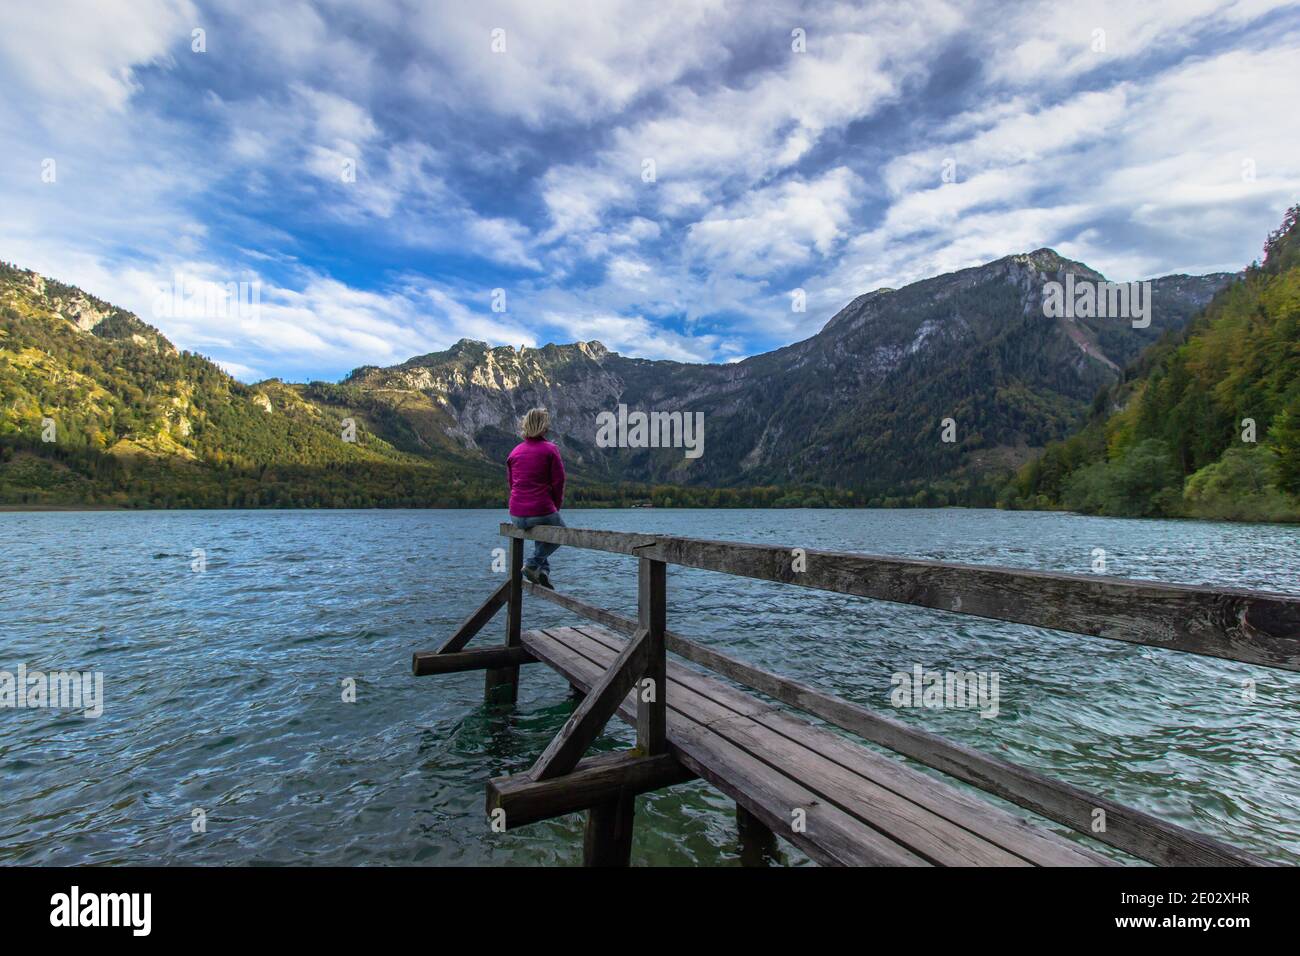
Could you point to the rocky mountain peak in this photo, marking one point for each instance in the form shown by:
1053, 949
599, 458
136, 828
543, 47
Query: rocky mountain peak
87, 313
1049, 262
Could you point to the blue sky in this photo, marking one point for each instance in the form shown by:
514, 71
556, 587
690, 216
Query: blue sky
905, 140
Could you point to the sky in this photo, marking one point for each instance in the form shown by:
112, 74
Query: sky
674, 180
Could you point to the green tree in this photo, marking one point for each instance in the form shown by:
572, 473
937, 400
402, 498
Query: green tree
1285, 443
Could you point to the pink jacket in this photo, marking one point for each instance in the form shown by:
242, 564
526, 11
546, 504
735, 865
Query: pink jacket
536, 476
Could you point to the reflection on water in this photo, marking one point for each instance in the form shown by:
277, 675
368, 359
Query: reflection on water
224, 688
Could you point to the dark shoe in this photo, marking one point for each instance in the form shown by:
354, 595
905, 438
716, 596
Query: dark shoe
545, 581
532, 574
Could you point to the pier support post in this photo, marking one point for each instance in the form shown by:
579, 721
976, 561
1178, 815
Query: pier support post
608, 839
757, 841
501, 685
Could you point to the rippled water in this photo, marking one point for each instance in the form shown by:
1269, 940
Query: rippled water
224, 689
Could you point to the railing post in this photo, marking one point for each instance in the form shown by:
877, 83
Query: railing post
652, 690
501, 685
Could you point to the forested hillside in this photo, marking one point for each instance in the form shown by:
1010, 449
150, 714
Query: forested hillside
1206, 424
96, 407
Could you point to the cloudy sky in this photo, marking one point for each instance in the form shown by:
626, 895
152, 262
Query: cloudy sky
658, 176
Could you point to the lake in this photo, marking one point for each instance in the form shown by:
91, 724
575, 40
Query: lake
227, 640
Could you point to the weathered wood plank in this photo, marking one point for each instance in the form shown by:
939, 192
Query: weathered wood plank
615, 622
474, 623
594, 780
589, 717
1129, 829
929, 835
879, 790
427, 663
651, 710
828, 835
1255, 627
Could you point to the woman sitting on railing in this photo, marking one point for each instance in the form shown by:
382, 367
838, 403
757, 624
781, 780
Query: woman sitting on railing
536, 475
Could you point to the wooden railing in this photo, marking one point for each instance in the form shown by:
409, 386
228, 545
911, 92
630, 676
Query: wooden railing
1259, 628
1255, 627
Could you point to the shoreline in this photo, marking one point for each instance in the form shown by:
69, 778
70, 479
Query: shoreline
43, 509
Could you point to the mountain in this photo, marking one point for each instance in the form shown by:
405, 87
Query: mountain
858, 405
96, 407
1206, 424
853, 414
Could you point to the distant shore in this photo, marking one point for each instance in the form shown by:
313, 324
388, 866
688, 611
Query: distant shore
36, 508
83, 508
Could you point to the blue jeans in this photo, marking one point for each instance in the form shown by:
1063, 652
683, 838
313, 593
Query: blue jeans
541, 549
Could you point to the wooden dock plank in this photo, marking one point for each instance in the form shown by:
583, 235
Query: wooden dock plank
772, 751
1006, 830
977, 840
830, 835
927, 835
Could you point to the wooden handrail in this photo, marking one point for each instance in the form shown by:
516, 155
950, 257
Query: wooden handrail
1253, 627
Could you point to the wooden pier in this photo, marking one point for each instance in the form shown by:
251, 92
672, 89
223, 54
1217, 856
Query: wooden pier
839, 802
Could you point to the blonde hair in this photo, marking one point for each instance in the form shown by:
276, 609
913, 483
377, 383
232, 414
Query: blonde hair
536, 423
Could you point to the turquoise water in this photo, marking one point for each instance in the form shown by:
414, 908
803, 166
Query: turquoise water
224, 688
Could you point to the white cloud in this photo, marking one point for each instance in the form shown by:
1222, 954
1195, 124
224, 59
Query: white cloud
84, 53
1160, 157
1015, 137
326, 323
1057, 41
777, 227
245, 373
635, 335
569, 61
713, 145
359, 177
523, 169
